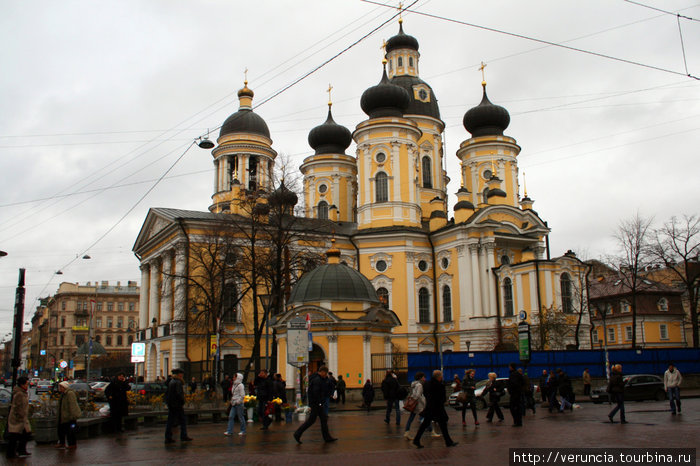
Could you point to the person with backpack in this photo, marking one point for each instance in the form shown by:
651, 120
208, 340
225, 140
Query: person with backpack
390, 390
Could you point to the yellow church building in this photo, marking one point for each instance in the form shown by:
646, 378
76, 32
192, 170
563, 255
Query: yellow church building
403, 275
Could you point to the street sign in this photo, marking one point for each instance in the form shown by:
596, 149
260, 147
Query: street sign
138, 352
297, 342
63, 364
524, 341
42, 352
212, 345
523, 315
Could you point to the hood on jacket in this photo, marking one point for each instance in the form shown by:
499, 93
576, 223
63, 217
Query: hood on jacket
238, 379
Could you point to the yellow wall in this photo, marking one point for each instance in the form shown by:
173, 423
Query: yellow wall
350, 360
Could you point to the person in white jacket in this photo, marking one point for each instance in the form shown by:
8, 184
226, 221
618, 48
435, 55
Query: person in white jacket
237, 395
672, 385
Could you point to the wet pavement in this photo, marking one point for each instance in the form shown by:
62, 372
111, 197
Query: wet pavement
365, 439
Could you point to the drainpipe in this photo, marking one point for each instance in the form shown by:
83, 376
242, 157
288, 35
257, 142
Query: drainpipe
546, 241
357, 252
187, 273
435, 301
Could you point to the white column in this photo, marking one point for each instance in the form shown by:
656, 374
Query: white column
410, 293
463, 282
491, 263
476, 285
179, 303
396, 172
387, 345
154, 299
483, 284
333, 353
143, 299
243, 170
166, 308
366, 357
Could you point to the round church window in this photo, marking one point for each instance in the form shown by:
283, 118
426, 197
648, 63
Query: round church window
487, 174
422, 266
445, 262
380, 266
322, 188
381, 157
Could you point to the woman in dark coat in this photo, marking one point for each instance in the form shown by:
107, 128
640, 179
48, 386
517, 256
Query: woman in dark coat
616, 389
368, 394
493, 392
468, 387
118, 401
435, 398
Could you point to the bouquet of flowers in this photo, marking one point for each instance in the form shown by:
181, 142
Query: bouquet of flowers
277, 401
250, 401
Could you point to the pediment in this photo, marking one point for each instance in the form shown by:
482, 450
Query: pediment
152, 226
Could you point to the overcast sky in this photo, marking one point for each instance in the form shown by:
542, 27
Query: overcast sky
100, 99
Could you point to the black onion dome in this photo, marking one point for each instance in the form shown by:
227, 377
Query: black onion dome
330, 137
333, 282
464, 205
417, 107
283, 196
245, 121
486, 119
385, 99
401, 41
495, 192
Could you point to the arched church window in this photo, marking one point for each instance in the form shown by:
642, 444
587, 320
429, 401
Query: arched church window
383, 295
427, 175
253, 173
382, 187
230, 297
400, 62
508, 298
505, 260
446, 304
323, 210
410, 61
566, 301
423, 306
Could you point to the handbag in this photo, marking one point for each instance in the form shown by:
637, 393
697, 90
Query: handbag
462, 398
410, 404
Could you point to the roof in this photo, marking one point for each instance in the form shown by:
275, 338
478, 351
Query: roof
333, 282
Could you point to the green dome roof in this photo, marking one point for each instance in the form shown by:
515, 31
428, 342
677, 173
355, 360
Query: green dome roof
333, 282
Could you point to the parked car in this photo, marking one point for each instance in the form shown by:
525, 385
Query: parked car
44, 386
33, 381
148, 389
638, 387
99, 388
5, 396
481, 401
83, 390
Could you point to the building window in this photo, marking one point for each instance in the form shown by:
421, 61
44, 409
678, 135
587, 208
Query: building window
78, 305
566, 302
423, 306
410, 61
628, 333
383, 295
132, 306
79, 340
427, 173
110, 306
322, 188
120, 322
63, 305
120, 340
663, 304
323, 210
422, 266
99, 306
663, 331
400, 62
230, 298
85, 305
446, 304
109, 322
611, 334
98, 322
132, 324
63, 322
608, 309
120, 306
594, 335
445, 263
130, 340
63, 339
98, 338
508, 298
380, 265
505, 260
109, 340
625, 306
382, 187
380, 157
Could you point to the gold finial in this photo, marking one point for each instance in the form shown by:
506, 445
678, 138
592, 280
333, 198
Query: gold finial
524, 184
245, 76
493, 170
383, 46
483, 73
330, 88
400, 11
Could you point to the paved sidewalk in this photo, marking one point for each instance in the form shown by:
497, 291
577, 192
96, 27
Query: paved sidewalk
364, 439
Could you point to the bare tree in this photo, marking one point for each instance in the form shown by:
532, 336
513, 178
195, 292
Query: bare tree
633, 242
550, 329
677, 247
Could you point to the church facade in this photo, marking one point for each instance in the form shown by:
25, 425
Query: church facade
448, 283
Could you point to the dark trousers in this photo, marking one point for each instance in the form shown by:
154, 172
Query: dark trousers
674, 393
317, 411
470, 404
516, 410
618, 398
16, 443
493, 406
116, 414
176, 417
66, 432
586, 389
441, 421
341, 396
266, 421
392, 404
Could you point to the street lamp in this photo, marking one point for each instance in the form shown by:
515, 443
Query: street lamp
265, 300
3, 253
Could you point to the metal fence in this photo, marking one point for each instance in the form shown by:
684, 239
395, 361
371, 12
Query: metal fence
382, 362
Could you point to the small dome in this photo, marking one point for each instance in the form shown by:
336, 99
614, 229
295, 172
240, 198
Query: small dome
283, 196
486, 119
330, 137
495, 192
416, 106
464, 205
401, 41
333, 282
385, 99
245, 120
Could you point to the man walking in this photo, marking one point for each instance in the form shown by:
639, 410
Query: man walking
118, 402
515, 389
565, 390
175, 399
263, 390
543, 386
390, 390
616, 390
318, 387
435, 398
672, 385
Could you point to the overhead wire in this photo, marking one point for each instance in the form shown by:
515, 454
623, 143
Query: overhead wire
678, 15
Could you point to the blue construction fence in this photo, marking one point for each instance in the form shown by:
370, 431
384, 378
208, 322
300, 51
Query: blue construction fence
642, 361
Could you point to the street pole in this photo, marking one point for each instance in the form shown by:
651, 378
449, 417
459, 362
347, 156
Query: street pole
17, 330
92, 311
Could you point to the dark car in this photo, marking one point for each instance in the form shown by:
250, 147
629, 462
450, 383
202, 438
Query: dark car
83, 390
148, 389
638, 387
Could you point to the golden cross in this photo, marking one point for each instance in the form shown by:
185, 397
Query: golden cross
245, 74
400, 11
483, 74
383, 46
330, 88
